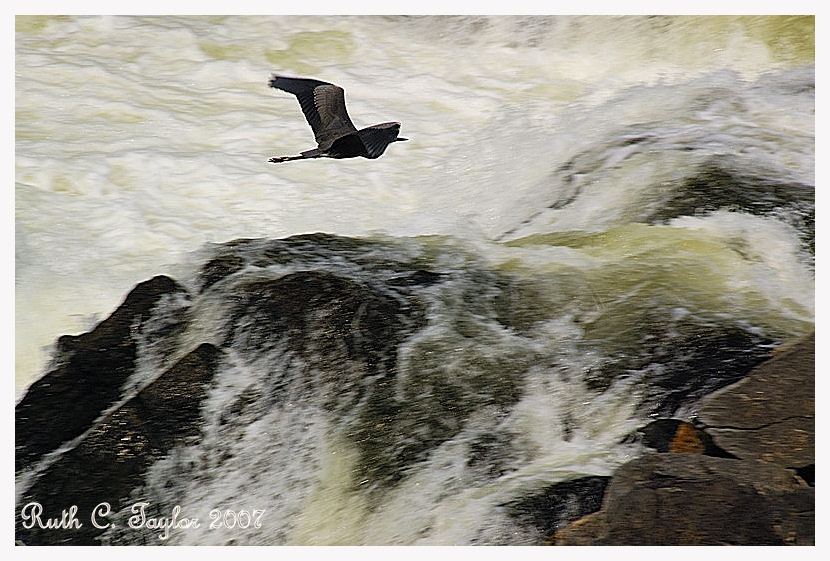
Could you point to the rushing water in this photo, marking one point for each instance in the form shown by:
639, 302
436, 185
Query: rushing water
597, 193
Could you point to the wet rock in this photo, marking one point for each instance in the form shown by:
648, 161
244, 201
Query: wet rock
347, 333
88, 374
685, 368
339, 336
683, 360
383, 258
689, 499
321, 320
769, 415
217, 269
765, 422
324, 316
113, 457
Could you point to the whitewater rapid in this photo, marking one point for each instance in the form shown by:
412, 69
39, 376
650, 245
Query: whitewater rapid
596, 221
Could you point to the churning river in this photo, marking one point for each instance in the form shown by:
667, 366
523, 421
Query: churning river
605, 212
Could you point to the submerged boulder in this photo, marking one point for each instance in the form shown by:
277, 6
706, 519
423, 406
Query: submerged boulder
323, 315
556, 506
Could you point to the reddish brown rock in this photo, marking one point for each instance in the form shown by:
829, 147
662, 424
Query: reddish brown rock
679, 437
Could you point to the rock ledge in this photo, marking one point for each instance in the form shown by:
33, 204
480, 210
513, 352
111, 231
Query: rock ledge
760, 491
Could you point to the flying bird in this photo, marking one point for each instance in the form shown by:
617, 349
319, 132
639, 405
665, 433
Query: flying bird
324, 107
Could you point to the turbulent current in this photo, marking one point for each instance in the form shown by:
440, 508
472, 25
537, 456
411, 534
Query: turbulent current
596, 221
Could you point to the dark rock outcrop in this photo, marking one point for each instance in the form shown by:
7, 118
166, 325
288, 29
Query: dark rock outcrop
766, 424
346, 331
89, 372
112, 459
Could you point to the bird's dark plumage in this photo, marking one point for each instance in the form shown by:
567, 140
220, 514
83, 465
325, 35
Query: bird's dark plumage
324, 107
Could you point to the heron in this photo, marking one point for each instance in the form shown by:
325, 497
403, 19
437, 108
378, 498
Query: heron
324, 107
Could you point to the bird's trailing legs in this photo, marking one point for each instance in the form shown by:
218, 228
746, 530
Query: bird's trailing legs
279, 159
313, 153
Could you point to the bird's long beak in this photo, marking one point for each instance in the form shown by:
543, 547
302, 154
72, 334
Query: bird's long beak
399, 139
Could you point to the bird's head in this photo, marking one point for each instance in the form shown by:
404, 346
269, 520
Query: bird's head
397, 127
377, 137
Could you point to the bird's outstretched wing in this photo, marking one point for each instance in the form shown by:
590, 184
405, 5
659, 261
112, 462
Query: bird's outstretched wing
323, 104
